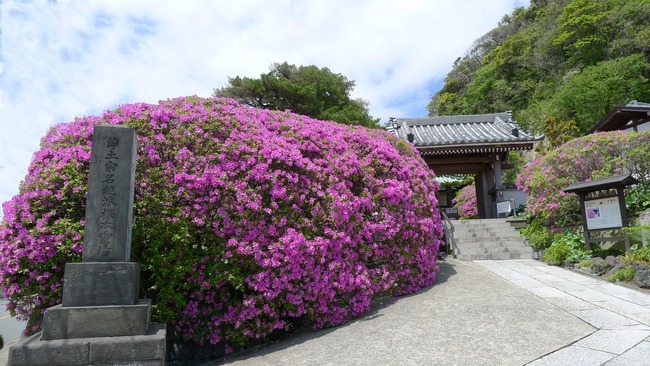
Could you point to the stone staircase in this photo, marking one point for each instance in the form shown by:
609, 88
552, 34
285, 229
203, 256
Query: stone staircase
496, 239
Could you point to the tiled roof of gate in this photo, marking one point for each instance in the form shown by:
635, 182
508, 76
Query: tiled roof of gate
477, 129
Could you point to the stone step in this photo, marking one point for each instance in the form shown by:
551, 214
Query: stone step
489, 239
496, 244
482, 222
487, 231
496, 249
472, 229
467, 224
493, 256
487, 236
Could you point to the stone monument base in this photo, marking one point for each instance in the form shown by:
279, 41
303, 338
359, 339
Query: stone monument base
141, 350
61, 322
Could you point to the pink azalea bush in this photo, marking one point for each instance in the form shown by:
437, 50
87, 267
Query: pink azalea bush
465, 202
245, 220
587, 158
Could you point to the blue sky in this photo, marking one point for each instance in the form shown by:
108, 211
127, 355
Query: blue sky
65, 59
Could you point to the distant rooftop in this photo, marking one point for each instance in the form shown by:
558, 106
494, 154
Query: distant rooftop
623, 117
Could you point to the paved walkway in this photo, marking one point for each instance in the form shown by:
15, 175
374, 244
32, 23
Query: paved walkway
530, 313
620, 315
515, 312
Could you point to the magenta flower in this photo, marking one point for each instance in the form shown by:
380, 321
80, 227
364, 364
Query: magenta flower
245, 220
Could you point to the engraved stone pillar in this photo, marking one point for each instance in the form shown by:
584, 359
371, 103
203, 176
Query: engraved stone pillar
106, 276
101, 320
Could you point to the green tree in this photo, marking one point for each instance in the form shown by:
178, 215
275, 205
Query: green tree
588, 95
557, 132
307, 90
583, 32
518, 161
632, 30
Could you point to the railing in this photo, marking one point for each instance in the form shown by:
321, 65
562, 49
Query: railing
449, 229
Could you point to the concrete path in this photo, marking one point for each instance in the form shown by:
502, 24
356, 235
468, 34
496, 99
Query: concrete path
514, 312
469, 317
621, 315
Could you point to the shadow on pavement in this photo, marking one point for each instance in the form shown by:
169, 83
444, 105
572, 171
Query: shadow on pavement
306, 334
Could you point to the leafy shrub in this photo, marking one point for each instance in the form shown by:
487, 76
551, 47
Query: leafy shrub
568, 245
465, 202
245, 220
623, 274
586, 263
538, 235
637, 199
586, 158
557, 253
638, 254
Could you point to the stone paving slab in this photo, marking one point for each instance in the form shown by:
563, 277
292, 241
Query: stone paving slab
566, 285
614, 341
637, 298
574, 356
591, 295
623, 307
571, 303
641, 318
637, 356
605, 319
620, 314
612, 289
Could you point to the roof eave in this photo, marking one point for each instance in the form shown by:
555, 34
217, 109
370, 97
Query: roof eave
477, 148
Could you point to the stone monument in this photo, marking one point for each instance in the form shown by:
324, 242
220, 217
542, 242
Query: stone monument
101, 320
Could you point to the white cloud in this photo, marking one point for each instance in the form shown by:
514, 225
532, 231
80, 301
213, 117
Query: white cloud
71, 58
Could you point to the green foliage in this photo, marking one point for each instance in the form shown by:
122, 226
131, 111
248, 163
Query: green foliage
623, 274
588, 95
632, 31
581, 32
571, 59
307, 90
639, 253
569, 246
637, 199
538, 235
586, 263
518, 162
557, 253
557, 132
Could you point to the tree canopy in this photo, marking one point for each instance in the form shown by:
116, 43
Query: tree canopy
307, 90
573, 60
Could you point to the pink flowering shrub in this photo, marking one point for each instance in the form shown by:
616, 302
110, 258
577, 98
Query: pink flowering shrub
245, 220
465, 202
590, 157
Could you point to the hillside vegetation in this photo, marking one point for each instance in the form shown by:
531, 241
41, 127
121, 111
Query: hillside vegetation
558, 61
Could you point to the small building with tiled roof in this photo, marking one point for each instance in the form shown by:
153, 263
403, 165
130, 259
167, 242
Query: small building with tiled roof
634, 116
468, 144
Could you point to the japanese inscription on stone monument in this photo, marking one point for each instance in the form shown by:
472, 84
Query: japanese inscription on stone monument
109, 204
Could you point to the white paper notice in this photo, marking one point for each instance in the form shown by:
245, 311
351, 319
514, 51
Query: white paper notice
603, 213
